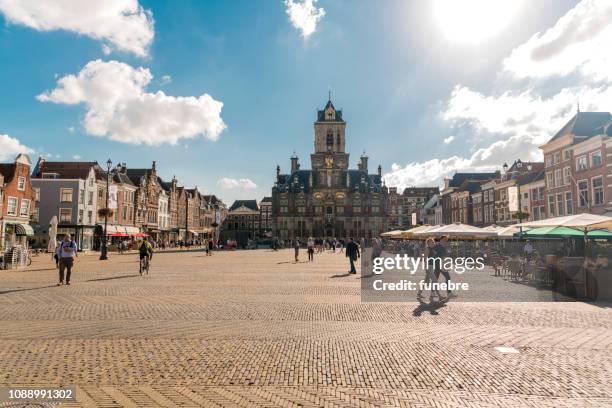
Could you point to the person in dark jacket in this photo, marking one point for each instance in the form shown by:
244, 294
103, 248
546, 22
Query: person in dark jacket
352, 252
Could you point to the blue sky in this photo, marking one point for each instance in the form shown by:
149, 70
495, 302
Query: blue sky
406, 82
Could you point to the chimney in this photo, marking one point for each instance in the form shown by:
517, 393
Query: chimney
153, 166
447, 181
295, 166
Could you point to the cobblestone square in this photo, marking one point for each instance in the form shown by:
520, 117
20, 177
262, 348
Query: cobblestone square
253, 328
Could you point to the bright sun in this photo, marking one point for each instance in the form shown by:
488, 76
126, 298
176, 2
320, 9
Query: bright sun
473, 21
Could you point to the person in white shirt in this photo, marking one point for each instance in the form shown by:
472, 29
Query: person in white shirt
66, 252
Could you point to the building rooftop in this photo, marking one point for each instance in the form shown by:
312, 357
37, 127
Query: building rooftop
67, 170
250, 204
585, 124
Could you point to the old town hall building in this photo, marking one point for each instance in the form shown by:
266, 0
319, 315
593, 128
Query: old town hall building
330, 200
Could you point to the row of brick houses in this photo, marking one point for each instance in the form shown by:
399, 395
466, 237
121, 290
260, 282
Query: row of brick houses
575, 177
140, 200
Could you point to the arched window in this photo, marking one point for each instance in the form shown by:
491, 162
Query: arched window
330, 141
338, 140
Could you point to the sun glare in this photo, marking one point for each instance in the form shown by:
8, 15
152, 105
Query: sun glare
473, 21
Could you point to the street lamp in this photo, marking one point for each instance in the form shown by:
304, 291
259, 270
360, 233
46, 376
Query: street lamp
104, 250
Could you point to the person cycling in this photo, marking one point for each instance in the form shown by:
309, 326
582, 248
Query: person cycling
146, 253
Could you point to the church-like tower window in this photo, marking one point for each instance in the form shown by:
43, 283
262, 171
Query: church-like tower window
330, 141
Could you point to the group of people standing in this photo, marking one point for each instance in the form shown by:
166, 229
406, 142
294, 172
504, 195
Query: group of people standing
350, 248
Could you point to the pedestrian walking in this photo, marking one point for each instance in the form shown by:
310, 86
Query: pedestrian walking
66, 252
311, 249
352, 253
296, 248
211, 246
441, 251
376, 248
430, 255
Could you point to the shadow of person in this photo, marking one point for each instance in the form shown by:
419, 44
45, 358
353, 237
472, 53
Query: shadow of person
341, 275
431, 307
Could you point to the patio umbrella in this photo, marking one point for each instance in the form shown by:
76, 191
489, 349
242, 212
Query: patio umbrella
411, 233
392, 234
583, 222
507, 232
52, 234
457, 230
566, 232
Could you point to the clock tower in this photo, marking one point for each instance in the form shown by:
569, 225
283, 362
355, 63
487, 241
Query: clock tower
329, 159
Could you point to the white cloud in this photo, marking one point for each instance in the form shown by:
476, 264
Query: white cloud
10, 147
231, 183
449, 140
520, 120
578, 42
77, 157
122, 24
304, 15
71, 129
118, 107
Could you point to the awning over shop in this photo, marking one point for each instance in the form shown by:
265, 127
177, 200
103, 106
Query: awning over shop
24, 229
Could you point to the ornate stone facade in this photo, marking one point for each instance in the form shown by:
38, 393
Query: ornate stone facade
330, 200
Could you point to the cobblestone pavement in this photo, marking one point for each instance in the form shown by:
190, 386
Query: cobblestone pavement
243, 329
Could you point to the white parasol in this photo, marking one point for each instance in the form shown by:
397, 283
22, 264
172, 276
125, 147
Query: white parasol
52, 235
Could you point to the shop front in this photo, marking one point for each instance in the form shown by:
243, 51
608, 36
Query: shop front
83, 235
15, 234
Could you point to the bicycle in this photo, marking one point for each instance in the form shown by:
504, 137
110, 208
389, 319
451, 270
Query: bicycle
144, 265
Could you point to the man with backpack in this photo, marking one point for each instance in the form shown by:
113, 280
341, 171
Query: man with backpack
66, 252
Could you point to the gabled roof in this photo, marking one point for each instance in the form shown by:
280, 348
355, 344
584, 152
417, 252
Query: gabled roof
250, 204
211, 198
136, 174
584, 124
266, 200
166, 185
122, 178
459, 178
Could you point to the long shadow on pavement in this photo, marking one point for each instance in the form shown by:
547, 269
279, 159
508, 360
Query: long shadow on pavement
4, 292
112, 278
432, 308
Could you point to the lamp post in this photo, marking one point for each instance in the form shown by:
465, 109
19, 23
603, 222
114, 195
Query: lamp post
104, 250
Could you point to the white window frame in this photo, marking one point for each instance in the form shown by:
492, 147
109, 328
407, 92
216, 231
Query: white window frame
603, 198
59, 214
580, 193
21, 182
27, 213
8, 205
586, 162
596, 153
62, 194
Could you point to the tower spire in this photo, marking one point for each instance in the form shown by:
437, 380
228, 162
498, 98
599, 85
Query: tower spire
329, 95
